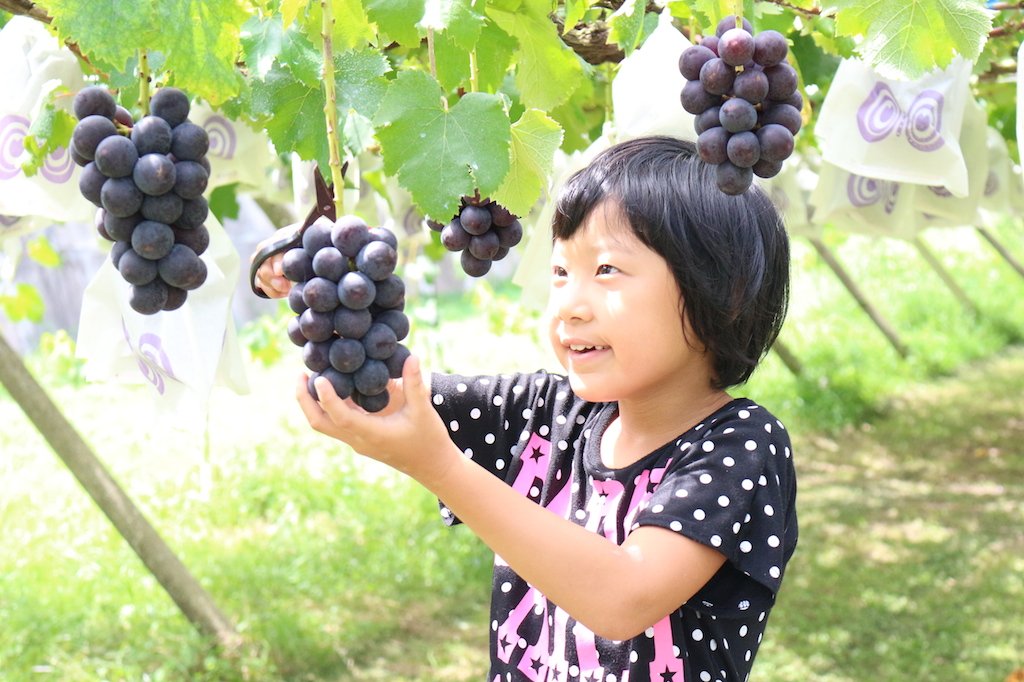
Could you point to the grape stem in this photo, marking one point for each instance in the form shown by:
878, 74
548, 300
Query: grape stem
144, 78
331, 109
433, 62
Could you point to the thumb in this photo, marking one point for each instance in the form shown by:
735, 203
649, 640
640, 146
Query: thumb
417, 392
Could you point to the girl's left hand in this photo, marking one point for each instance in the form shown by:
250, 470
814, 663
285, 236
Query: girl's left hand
408, 435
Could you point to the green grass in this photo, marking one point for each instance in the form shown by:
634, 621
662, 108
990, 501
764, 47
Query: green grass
911, 563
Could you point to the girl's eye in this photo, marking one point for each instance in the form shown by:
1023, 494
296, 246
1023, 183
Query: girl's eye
558, 271
606, 269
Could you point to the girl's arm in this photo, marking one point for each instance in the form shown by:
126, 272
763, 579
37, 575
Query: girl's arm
616, 591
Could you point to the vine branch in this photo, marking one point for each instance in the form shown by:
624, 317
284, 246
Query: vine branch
331, 110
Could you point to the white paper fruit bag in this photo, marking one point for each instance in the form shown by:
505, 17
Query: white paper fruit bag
181, 353
32, 65
864, 205
897, 130
937, 206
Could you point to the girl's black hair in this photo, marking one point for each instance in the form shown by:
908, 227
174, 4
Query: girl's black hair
729, 254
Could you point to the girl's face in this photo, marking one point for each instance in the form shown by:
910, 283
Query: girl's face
615, 314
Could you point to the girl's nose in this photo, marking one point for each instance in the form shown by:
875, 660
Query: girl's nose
571, 302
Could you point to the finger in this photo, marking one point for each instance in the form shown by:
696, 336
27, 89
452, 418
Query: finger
278, 265
416, 391
310, 408
345, 414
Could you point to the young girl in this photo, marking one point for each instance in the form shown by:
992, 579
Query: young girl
641, 517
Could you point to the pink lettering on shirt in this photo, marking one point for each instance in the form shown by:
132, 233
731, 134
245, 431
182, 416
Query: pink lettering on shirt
666, 664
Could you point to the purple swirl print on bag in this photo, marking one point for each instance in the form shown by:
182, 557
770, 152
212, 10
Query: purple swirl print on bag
880, 116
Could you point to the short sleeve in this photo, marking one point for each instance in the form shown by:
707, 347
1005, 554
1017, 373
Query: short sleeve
733, 488
490, 418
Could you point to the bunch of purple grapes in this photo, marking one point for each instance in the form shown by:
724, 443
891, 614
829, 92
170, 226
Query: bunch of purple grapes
483, 230
147, 177
349, 305
743, 94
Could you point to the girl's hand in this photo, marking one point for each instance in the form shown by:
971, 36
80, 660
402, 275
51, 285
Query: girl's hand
407, 435
270, 277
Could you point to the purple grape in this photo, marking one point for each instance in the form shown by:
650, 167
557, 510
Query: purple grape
484, 246
743, 149
182, 268
692, 59
166, 208
390, 292
120, 197
396, 361
295, 300
317, 236
150, 298
356, 290
710, 42
170, 104
295, 334
782, 81
152, 135
90, 183
321, 295
347, 355
175, 298
89, 132
93, 100
330, 263
155, 174
115, 156
371, 403
349, 235
736, 47
729, 22
751, 85
120, 228
770, 48
315, 355
717, 77
372, 378
135, 269
316, 326
475, 220
193, 213
383, 234
737, 115
297, 265
695, 99
339, 381
197, 239
712, 145
118, 250
352, 324
766, 169
454, 237
783, 114
152, 240
776, 142
380, 341
510, 235
397, 320
191, 179
377, 260
706, 120
473, 266
189, 142
732, 179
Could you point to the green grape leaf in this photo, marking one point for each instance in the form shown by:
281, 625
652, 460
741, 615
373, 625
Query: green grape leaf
359, 81
626, 24
108, 30
50, 131
548, 71
452, 62
261, 44
535, 139
575, 10
493, 63
41, 251
294, 114
351, 27
24, 304
224, 202
397, 19
201, 39
456, 18
292, 10
909, 39
440, 155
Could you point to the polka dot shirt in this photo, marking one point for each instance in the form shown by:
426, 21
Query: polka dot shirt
728, 483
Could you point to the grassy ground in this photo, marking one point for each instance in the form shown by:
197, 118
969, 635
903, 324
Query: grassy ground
911, 563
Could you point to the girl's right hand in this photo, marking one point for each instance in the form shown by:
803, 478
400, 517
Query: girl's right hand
270, 275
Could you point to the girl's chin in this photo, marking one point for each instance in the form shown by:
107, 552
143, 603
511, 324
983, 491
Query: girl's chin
588, 391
